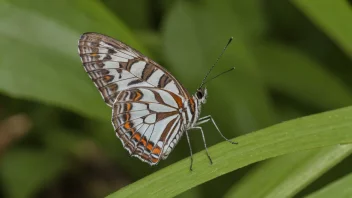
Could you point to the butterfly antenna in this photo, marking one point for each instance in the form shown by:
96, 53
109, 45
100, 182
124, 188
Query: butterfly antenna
219, 75
217, 60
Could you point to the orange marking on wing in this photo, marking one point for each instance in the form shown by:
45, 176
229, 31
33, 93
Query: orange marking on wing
191, 101
154, 160
179, 102
177, 99
107, 78
144, 141
149, 146
138, 96
129, 106
192, 105
137, 136
127, 125
112, 87
93, 54
156, 151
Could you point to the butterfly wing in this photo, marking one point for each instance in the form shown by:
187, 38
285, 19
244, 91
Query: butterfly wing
147, 120
113, 67
147, 100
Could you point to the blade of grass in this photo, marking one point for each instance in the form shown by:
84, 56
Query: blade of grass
333, 17
340, 188
285, 176
325, 129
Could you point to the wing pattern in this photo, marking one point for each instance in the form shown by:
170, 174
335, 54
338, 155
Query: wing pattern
148, 104
114, 67
147, 121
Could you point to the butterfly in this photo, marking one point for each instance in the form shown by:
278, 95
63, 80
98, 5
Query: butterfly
151, 110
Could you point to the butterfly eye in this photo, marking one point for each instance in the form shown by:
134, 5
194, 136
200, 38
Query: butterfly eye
199, 94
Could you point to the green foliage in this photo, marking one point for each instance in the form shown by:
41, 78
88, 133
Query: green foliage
292, 59
50, 44
287, 65
340, 188
333, 17
320, 130
290, 173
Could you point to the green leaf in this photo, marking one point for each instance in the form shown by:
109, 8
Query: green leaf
333, 17
38, 54
325, 129
292, 72
81, 16
341, 188
24, 171
285, 176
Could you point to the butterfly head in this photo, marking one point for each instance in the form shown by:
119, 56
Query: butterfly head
202, 95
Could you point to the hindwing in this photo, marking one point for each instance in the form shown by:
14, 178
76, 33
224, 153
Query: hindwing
147, 121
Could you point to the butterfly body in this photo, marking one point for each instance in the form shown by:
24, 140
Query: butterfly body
151, 110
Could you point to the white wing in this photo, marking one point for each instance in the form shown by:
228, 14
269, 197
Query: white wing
147, 121
113, 67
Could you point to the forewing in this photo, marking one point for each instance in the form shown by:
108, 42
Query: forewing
113, 67
145, 120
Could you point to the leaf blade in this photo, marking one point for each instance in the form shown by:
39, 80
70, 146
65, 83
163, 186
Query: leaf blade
333, 17
315, 131
340, 188
48, 69
285, 176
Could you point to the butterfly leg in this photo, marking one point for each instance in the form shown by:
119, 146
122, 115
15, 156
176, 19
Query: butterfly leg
205, 144
209, 118
190, 149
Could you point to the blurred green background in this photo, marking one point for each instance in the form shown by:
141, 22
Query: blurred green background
292, 58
